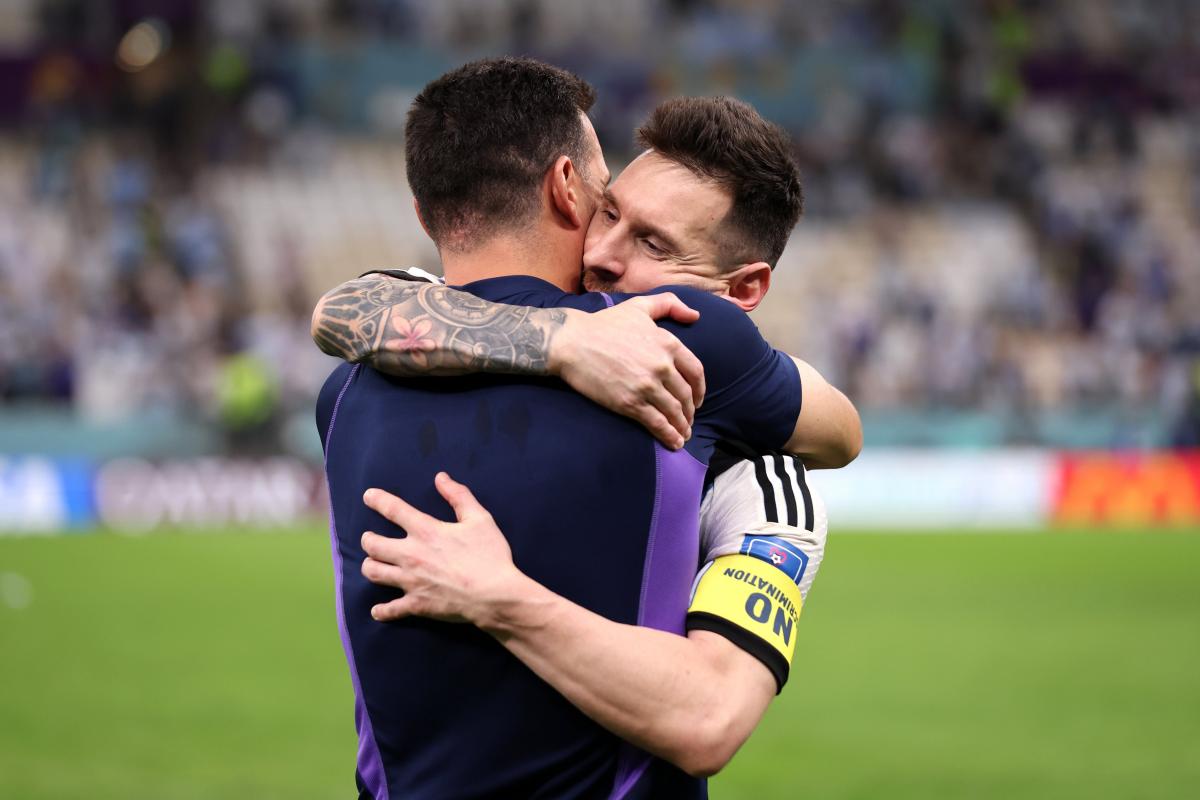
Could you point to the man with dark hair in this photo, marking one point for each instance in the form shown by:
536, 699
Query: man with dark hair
596, 512
476, 174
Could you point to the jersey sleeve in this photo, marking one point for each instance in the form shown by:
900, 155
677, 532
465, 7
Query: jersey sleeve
753, 391
765, 495
763, 533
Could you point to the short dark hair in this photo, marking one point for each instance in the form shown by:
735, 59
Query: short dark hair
726, 141
479, 139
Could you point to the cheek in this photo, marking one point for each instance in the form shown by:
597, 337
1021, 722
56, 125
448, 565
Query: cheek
643, 274
594, 232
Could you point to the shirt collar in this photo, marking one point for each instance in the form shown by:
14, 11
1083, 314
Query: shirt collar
497, 289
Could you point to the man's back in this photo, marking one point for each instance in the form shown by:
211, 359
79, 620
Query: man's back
594, 509
586, 500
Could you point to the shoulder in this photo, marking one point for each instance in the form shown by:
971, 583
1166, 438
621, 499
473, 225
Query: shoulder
724, 338
588, 301
719, 310
715, 305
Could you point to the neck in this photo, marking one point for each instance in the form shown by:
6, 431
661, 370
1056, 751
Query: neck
549, 258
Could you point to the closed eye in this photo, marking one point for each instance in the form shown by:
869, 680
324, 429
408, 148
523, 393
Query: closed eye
653, 248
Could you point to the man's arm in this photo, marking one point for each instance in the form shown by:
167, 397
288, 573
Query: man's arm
691, 700
762, 397
618, 358
412, 328
828, 432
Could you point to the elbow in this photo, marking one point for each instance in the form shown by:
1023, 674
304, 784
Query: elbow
850, 443
316, 328
706, 762
334, 335
710, 745
831, 436
853, 442
837, 453
705, 765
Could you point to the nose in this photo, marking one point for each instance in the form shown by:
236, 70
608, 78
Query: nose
601, 256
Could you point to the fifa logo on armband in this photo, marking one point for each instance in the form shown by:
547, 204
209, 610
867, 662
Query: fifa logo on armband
780, 553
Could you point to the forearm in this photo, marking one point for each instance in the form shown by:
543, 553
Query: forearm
692, 701
618, 357
670, 695
412, 328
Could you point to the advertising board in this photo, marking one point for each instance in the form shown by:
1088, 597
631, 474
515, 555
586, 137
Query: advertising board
901, 489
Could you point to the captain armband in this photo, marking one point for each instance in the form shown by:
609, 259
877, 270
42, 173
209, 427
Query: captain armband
753, 599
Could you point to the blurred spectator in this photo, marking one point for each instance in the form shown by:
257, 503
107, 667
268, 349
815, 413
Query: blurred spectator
1002, 196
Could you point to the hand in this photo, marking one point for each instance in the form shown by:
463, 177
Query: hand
452, 571
620, 359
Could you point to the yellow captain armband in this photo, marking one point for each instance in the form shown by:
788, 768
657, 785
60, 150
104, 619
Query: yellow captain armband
752, 602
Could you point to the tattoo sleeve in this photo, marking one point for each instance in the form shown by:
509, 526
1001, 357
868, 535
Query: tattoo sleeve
412, 328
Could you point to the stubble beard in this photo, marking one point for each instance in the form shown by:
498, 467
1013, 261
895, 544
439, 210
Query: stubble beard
593, 283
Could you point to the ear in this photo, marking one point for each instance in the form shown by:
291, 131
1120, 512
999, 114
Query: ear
562, 184
420, 219
748, 285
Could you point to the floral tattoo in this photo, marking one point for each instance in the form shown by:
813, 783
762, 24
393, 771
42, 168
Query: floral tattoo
411, 328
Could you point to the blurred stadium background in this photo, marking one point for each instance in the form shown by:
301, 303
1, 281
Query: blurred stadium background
999, 261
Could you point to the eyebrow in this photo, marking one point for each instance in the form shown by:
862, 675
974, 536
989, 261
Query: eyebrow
646, 227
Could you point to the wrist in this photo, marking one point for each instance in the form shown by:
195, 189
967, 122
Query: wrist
515, 604
561, 346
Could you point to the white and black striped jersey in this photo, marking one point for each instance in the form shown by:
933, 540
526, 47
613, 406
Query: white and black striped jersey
755, 494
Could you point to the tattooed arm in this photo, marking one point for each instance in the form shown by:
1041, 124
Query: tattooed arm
416, 328
618, 357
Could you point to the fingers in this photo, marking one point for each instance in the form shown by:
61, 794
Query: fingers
661, 412
669, 406
459, 497
395, 510
693, 372
658, 425
399, 608
677, 381
383, 548
675, 396
668, 305
383, 573
681, 397
683, 377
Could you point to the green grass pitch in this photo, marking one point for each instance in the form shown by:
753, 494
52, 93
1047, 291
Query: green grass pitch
948, 666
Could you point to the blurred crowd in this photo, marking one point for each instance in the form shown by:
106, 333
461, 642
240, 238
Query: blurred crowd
1002, 198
